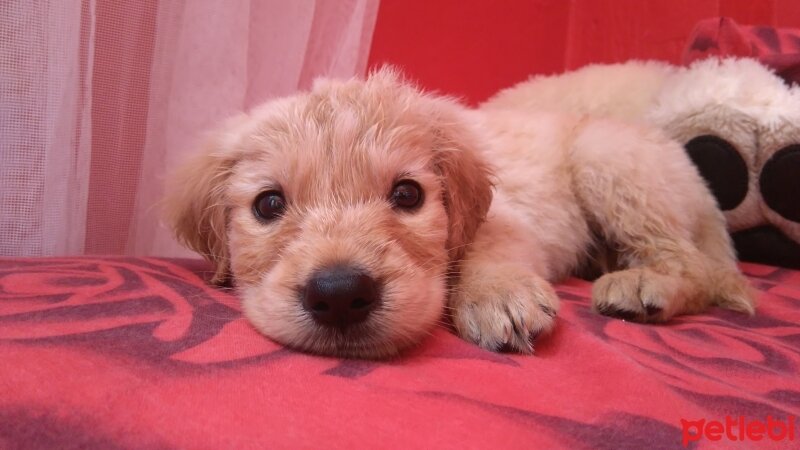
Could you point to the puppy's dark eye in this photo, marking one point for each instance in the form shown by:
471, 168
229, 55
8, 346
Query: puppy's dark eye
269, 205
407, 194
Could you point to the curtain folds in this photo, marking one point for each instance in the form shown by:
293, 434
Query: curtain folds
99, 99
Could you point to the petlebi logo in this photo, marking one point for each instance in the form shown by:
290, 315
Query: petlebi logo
739, 429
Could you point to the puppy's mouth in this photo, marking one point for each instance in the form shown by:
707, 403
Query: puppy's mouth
359, 342
346, 311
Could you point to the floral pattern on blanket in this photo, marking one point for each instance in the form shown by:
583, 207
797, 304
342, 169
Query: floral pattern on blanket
141, 352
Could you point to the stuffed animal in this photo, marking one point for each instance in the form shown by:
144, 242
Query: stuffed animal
739, 123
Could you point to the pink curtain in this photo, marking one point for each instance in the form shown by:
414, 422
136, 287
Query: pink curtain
100, 98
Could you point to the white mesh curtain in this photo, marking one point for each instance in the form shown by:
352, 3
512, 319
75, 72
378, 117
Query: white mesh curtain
99, 98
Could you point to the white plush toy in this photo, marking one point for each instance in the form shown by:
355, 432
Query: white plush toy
739, 122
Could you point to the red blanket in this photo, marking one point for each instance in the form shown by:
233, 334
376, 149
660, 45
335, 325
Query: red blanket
123, 352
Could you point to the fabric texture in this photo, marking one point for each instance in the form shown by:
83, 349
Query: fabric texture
777, 48
141, 353
99, 99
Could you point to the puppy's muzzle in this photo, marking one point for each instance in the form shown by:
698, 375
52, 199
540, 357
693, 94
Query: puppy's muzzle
340, 296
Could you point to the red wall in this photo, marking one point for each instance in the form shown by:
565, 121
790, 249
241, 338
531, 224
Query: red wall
471, 48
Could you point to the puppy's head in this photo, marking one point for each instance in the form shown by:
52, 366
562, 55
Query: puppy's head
339, 213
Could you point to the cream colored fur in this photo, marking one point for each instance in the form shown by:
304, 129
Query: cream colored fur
619, 91
739, 100
565, 189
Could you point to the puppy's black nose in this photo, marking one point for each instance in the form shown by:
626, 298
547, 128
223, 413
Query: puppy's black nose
340, 296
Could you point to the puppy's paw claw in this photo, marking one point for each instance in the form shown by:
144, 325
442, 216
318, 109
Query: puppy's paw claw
636, 295
506, 318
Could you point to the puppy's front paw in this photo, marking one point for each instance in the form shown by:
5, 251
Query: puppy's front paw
503, 309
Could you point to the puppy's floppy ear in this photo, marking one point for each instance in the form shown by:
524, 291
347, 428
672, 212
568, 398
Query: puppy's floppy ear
195, 206
457, 141
466, 175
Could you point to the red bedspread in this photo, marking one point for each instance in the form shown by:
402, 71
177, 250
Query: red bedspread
112, 352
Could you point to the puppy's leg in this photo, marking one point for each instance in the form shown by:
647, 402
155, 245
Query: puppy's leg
730, 289
500, 301
649, 201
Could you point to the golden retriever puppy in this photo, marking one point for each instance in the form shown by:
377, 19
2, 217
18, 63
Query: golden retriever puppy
351, 217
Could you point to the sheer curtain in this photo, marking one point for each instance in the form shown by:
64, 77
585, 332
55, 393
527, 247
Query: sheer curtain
100, 98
